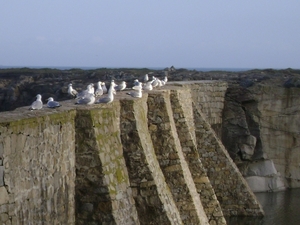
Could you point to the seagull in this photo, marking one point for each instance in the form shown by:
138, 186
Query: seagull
136, 82
99, 90
37, 104
154, 81
91, 89
52, 104
138, 86
72, 91
88, 99
121, 86
86, 92
164, 81
146, 78
159, 83
110, 96
148, 86
104, 88
136, 94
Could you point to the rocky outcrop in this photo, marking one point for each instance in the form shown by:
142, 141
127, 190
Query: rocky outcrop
260, 129
151, 160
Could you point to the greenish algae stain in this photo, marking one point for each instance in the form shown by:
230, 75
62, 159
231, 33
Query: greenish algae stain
34, 122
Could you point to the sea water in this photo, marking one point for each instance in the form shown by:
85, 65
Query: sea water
281, 208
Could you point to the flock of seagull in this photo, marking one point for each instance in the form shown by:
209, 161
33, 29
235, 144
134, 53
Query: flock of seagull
90, 94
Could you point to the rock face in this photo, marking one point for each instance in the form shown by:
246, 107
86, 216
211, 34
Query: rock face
136, 161
261, 122
262, 176
279, 129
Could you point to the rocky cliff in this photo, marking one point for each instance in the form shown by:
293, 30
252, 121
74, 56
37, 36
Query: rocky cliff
154, 160
261, 132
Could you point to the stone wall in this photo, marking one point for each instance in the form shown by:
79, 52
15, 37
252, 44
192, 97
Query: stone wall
38, 167
208, 96
153, 160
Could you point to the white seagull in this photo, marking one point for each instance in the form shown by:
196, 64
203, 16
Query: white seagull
52, 104
154, 82
88, 99
37, 104
86, 92
121, 86
72, 91
146, 78
138, 86
104, 88
110, 96
91, 89
148, 86
136, 94
99, 90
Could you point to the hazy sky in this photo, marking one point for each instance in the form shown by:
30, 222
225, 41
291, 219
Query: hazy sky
132, 33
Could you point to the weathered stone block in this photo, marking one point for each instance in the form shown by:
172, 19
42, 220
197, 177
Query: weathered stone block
261, 168
4, 198
264, 184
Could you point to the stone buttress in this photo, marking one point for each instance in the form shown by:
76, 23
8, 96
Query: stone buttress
103, 195
154, 201
184, 121
171, 158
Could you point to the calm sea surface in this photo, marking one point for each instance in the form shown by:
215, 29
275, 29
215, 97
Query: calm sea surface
281, 208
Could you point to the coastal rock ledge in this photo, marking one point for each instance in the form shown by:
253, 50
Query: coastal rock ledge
154, 160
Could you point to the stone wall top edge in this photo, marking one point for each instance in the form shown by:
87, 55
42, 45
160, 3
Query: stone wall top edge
22, 113
68, 107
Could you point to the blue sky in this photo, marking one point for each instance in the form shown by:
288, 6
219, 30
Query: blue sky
132, 33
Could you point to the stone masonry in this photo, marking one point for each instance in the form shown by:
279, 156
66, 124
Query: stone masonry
154, 200
184, 121
171, 159
38, 168
154, 160
102, 193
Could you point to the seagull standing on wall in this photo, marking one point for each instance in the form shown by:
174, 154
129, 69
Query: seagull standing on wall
146, 78
154, 82
137, 86
164, 81
104, 88
86, 92
137, 93
110, 96
37, 104
91, 89
148, 86
88, 99
99, 90
136, 82
72, 91
121, 86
